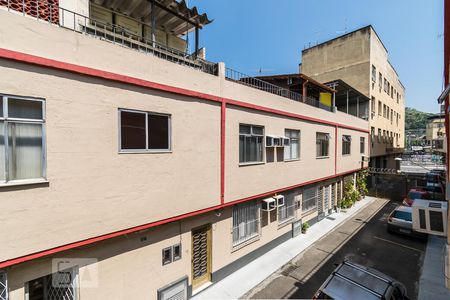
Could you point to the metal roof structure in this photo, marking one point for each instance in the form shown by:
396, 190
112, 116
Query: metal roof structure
170, 15
343, 90
301, 76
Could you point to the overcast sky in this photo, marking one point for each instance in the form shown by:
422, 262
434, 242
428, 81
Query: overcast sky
268, 35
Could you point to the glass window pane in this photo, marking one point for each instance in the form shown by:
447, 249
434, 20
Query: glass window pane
24, 109
287, 151
1, 107
133, 135
2, 151
241, 149
294, 149
244, 129
257, 130
259, 141
158, 132
25, 151
252, 149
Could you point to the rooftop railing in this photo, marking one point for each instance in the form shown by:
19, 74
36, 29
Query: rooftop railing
238, 77
49, 11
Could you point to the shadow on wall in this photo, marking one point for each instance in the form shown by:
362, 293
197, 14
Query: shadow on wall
392, 187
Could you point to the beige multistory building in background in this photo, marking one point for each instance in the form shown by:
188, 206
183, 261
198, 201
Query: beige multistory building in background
361, 59
435, 134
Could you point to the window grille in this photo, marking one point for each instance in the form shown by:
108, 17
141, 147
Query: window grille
246, 222
60, 285
309, 200
287, 211
3, 286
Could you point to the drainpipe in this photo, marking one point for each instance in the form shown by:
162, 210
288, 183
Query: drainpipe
153, 21
357, 106
334, 101
305, 93
347, 101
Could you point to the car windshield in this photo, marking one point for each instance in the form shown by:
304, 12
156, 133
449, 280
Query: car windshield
415, 195
404, 215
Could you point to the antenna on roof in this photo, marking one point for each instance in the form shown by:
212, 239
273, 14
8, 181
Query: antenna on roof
345, 28
317, 33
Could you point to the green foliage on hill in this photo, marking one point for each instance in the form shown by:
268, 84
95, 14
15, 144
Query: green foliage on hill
415, 119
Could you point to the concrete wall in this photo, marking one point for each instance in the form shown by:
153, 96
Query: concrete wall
435, 127
379, 58
93, 189
350, 58
131, 266
346, 58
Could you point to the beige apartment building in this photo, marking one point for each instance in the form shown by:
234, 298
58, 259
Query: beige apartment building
133, 168
361, 60
435, 134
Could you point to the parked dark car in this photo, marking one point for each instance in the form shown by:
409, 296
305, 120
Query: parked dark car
400, 221
352, 281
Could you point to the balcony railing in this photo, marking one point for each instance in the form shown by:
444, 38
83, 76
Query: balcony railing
50, 12
238, 77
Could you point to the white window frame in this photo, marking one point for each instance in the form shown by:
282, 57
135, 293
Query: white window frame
346, 144
327, 138
6, 120
240, 242
362, 145
251, 134
146, 113
288, 135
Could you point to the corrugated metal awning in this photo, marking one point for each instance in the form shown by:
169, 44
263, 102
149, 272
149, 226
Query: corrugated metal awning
170, 15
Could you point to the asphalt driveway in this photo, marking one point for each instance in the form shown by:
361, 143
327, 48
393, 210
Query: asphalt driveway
362, 239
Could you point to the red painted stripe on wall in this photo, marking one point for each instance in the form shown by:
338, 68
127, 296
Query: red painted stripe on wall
44, 62
291, 115
89, 241
54, 64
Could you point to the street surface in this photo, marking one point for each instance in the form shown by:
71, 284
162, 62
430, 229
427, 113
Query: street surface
362, 239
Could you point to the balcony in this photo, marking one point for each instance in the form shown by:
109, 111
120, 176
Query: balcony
266, 83
128, 24
157, 28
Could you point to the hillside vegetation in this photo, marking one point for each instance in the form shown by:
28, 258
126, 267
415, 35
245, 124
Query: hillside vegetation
415, 119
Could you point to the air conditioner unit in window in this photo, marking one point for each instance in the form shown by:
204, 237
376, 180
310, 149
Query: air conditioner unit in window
277, 142
269, 204
279, 200
430, 217
269, 141
286, 141
272, 141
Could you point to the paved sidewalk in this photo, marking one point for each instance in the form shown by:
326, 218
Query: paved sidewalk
432, 280
242, 281
285, 282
